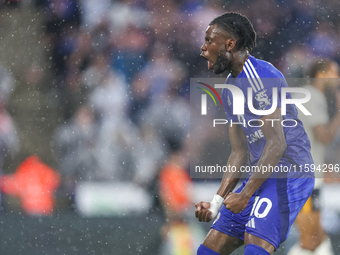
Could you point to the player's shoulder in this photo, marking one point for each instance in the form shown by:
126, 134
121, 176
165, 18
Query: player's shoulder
264, 69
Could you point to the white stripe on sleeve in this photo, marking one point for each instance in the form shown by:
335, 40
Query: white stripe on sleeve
249, 79
255, 72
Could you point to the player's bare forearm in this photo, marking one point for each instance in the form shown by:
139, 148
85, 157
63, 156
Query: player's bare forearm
230, 179
237, 158
271, 155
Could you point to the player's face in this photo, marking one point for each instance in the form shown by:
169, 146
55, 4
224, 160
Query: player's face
213, 50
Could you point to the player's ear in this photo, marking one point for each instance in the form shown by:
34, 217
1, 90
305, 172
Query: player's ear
230, 44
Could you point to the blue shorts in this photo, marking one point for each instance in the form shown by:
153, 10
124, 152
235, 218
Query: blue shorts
270, 212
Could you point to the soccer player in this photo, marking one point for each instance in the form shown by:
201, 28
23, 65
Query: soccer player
321, 131
261, 211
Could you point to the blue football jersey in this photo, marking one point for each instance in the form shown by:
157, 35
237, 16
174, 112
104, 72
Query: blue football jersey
262, 77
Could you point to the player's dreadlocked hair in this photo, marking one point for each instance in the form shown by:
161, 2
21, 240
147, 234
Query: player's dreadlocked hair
239, 26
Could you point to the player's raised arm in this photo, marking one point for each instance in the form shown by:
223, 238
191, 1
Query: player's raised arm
206, 211
271, 155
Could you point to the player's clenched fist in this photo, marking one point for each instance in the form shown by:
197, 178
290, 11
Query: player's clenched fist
206, 211
202, 212
236, 202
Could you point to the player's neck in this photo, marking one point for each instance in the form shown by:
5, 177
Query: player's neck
240, 57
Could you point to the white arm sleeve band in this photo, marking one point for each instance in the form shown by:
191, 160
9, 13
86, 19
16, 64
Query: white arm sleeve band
215, 205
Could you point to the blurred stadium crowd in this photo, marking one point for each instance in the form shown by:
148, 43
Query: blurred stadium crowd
120, 73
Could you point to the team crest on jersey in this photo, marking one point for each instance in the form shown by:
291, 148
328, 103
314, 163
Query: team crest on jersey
263, 99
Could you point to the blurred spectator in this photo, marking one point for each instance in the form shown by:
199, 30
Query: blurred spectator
127, 13
110, 97
129, 55
34, 183
62, 20
80, 56
163, 71
140, 97
167, 116
93, 13
76, 147
117, 148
